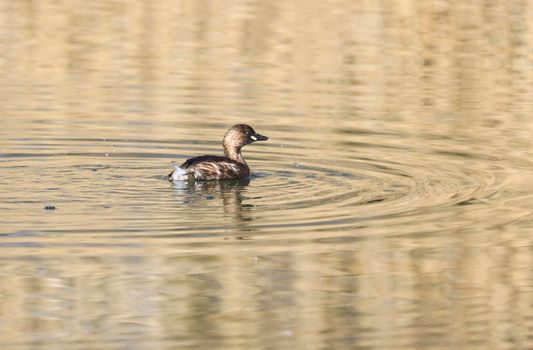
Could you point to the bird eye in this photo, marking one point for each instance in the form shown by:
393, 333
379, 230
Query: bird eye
253, 137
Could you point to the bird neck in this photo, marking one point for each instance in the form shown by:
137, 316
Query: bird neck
234, 154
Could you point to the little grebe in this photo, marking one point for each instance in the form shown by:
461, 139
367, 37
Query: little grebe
231, 166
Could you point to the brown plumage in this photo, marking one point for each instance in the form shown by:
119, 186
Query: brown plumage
230, 166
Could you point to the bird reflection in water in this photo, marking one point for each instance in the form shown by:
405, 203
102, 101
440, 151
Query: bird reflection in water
211, 194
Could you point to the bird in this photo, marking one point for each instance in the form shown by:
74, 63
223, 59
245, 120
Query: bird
230, 166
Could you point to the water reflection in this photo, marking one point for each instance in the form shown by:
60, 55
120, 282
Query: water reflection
230, 193
393, 208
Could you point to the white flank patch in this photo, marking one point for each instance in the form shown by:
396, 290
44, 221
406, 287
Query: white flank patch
179, 174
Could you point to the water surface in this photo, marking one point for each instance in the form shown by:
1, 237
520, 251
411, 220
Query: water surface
391, 207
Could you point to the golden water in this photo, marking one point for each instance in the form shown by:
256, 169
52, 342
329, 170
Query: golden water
391, 207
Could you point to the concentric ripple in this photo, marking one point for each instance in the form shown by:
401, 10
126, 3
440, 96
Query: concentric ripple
307, 186
382, 185
388, 188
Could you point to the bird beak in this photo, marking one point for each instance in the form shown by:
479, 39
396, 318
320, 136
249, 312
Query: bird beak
258, 137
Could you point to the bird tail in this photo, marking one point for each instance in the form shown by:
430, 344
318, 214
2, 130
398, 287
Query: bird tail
178, 174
